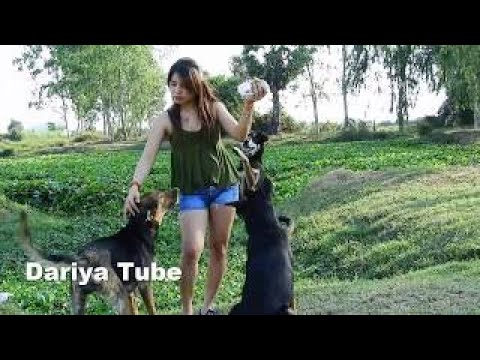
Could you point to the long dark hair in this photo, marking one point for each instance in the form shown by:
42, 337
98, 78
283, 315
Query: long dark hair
194, 81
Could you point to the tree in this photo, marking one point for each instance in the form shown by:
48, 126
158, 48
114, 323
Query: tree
405, 65
165, 51
460, 74
357, 61
226, 90
51, 126
315, 71
15, 130
344, 85
122, 83
278, 65
315, 80
39, 60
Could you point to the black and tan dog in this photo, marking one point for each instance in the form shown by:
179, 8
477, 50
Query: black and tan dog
268, 288
251, 160
134, 243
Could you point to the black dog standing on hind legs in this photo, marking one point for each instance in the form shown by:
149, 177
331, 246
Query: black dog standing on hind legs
268, 288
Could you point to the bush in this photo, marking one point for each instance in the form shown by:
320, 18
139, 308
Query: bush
424, 128
361, 132
15, 130
7, 152
465, 117
428, 124
261, 122
439, 137
328, 126
88, 136
434, 121
287, 123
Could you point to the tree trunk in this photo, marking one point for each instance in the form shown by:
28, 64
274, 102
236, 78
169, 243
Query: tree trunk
402, 105
275, 124
110, 124
392, 94
121, 107
344, 85
122, 123
104, 123
65, 120
313, 95
476, 115
315, 112
108, 121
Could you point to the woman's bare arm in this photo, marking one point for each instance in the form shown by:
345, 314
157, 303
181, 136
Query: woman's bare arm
236, 129
160, 127
240, 129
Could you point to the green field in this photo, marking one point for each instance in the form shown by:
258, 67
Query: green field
382, 226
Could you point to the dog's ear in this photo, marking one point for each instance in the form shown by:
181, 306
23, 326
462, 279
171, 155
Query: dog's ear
262, 137
238, 205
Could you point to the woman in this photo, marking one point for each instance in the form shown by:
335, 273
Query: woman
201, 168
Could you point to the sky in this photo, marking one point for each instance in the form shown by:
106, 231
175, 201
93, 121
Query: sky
16, 91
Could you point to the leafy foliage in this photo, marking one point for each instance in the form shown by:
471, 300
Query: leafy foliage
278, 65
226, 90
122, 83
15, 129
460, 72
367, 224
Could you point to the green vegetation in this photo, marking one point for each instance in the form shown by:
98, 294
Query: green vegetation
366, 213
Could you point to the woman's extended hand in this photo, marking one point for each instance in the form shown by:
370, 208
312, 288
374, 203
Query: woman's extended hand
258, 91
131, 201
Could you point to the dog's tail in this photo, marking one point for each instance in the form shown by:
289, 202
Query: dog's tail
287, 223
36, 255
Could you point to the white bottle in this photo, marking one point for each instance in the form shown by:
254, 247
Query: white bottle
245, 88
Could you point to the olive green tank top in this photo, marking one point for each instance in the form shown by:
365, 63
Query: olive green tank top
199, 159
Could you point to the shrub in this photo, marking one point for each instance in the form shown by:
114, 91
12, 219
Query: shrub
15, 130
7, 152
88, 136
424, 128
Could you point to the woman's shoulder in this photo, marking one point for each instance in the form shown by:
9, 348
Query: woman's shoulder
218, 105
219, 109
162, 120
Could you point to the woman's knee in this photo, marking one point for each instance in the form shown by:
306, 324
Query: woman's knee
193, 228
221, 222
219, 244
191, 252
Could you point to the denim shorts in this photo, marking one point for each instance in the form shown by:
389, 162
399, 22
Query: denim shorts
203, 198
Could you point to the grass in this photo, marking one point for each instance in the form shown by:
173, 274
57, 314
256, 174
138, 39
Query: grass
448, 289
32, 141
65, 234
381, 226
